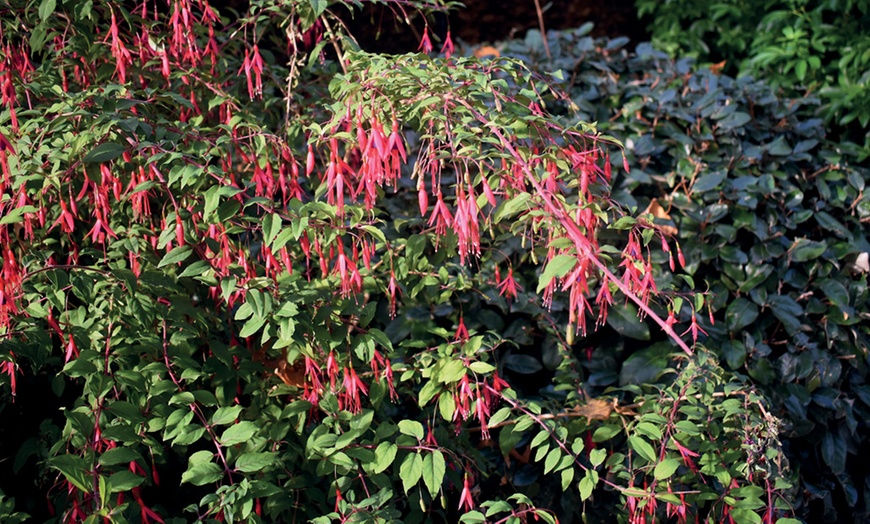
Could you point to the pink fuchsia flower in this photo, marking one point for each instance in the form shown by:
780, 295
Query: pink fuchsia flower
508, 287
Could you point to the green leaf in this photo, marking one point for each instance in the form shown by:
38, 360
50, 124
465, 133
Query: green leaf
252, 462
446, 406
282, 238
649, 429
385, 454
124, 481
252, 325
46, 9
434, 468
184, 398
597, 456
238, 433
803, 250
834, 450
452, 372
545, 515
709, 181
606, 432
740, 313
642, 447
271, 228
341, 459
74, 469
472, 517
319, 6
226, 415
744, 516
202, 473
499, 416
195, 269
567, 476
734, 120
411, 470
558, 267
666, 468
411, 428
586, 486
646, 365
481, 367
16, 215
552, 460
119, 455
178, 254
836, 292
104, 152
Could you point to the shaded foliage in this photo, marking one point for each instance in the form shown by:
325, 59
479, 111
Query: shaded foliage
772, 220
799, 46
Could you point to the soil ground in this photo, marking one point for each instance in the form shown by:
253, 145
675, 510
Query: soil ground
488, 21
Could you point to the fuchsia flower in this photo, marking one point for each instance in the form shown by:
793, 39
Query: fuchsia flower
694, 328
351, 280
441, 216
354, 388
508, 287
461, 332
447, 48
466, 501
425, 43
122, 56
8, 367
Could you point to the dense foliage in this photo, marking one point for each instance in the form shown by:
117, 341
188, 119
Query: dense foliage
251, 272
773, 222
800, 46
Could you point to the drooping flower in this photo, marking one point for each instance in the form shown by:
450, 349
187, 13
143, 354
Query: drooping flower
425, 43
461, 332
466, 501
441, 216
447, 49
508, 287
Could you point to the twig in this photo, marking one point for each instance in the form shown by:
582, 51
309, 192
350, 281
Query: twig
543, 30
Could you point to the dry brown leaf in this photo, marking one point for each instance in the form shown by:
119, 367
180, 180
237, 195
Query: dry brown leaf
291, 374
656, 210
485, 51
595, 409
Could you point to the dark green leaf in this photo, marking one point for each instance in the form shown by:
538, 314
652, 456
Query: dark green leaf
124, 481
238, 433
74, 469
104, 152
803, 250
178, 254
740, 313
623, 318
646, 365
